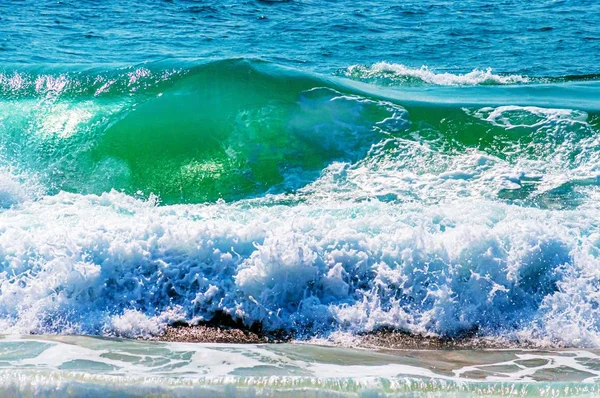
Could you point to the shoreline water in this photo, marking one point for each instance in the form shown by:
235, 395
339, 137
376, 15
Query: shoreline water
95, 366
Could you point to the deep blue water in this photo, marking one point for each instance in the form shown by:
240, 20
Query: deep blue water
542, 38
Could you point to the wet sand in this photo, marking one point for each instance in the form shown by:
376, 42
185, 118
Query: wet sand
382, 339
212, 334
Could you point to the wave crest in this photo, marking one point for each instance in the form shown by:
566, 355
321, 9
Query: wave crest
402, 74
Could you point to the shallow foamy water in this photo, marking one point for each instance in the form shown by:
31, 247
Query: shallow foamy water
59, 365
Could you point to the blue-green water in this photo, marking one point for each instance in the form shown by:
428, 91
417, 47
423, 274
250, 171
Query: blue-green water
322, 169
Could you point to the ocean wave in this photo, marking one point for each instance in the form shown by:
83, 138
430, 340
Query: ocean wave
218, 130
401, 74
226, 129
329, 205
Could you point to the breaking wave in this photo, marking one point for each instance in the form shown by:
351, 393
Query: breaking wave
136, 198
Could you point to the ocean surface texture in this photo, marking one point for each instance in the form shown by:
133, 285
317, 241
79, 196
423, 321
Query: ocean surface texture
318, 168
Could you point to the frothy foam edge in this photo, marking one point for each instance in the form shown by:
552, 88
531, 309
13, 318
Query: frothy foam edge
401, 73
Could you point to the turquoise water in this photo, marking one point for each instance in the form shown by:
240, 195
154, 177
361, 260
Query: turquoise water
314, 168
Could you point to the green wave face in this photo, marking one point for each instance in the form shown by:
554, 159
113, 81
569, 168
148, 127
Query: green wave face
238, 129
223, 130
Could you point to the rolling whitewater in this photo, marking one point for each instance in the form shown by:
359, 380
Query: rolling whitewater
335, 180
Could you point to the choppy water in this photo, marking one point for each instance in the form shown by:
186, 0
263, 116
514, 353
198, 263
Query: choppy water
312, 167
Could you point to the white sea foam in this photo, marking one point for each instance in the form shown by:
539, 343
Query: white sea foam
51, 86
114, 264
17, 187
538, 157
512, 116
11, 191
401, 73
